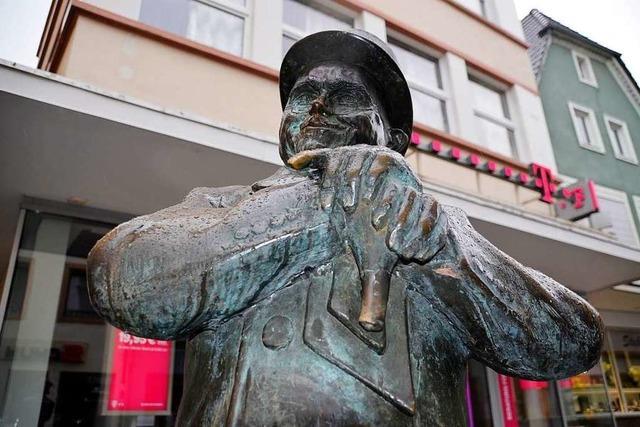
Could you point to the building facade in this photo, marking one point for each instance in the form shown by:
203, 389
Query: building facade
136, 102
592, 109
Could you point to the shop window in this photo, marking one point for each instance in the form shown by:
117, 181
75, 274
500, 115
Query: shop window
615, 217
425, 82
584, 69
524, 403
496, 131
620, 139
301, 18
61, 364
586, 127
585, 399
624, 359
217, 23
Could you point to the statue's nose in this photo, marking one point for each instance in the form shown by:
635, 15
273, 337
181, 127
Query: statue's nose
318, 106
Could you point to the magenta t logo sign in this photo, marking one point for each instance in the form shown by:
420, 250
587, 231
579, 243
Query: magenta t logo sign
543, 181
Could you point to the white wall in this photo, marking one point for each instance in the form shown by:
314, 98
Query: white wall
503, 14
532, 134
266, 33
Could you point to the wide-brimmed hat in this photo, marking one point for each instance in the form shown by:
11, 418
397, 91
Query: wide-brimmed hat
359, 49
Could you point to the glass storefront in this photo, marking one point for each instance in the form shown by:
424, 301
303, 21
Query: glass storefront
580, 401
606, 395
60, 364
610, 388
584, 398
623, 374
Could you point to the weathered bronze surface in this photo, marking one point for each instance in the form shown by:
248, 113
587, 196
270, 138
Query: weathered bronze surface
335, 292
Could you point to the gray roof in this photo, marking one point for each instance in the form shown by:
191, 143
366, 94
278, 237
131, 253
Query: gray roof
532, 25
537, 29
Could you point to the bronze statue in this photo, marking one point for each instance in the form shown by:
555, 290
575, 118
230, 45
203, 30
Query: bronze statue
335, 292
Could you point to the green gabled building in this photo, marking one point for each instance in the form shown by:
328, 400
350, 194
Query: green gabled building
592, 108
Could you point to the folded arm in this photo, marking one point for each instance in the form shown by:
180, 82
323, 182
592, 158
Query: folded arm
511, 317
172, 273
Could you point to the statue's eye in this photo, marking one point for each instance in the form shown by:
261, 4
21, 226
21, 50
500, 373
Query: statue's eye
348, 100
343, 99
301, 101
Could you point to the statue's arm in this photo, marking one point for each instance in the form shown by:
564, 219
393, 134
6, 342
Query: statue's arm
513, 318
185, 268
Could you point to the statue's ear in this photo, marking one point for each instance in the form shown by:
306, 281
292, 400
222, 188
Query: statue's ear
398, 140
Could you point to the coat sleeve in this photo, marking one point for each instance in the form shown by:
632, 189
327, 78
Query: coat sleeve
183, 269
513, 318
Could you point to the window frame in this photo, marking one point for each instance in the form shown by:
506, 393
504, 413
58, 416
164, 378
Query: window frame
598, 144
620, 196
337, 12
576, 57
632, 158
243, 12
636, 204
439, 93
506, 121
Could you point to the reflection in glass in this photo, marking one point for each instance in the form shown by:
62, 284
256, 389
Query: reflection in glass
625, 351
584, 397
496, 137
301, 19
214, 27
309, 20
488, 100
55, 351
417, 68
429, 110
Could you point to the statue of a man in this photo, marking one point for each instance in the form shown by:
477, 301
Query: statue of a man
335, 292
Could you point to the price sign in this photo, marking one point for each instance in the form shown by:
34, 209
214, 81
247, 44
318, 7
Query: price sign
139, 375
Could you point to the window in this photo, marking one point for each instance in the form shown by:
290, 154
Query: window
51, 328
477, 6
423, 75
217, 23
584, 69
623, 348
620, 139
301, 18
495, 128
615, 217
586, 127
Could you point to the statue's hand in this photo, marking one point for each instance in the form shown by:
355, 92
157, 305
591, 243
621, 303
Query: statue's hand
381, 181
377, 204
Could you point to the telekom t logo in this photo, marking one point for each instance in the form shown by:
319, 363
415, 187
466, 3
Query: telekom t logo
543, 181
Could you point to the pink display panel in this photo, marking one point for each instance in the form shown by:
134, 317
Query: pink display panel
508, 401
139, 372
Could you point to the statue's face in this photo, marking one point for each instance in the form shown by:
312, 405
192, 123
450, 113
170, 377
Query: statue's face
331, 106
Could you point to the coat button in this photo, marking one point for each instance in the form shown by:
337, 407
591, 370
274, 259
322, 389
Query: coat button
277, 332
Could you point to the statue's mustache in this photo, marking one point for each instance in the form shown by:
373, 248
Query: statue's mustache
317, 120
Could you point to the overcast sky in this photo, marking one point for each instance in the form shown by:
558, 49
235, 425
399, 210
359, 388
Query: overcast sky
612, 23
